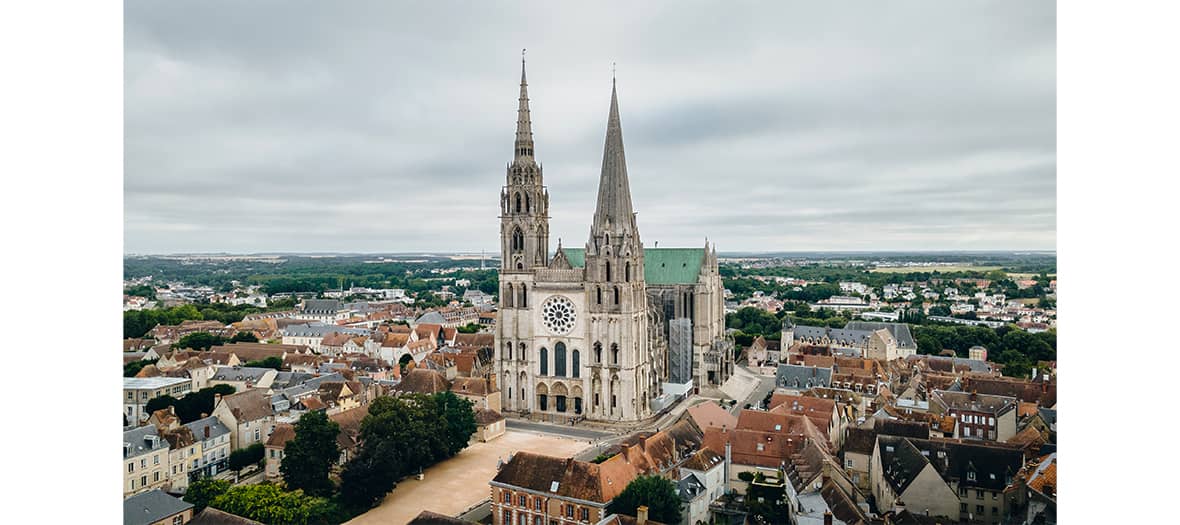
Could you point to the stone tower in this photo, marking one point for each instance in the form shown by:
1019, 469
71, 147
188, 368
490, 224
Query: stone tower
622, 372
524, 201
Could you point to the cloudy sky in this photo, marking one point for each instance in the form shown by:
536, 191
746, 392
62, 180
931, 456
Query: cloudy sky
766, 126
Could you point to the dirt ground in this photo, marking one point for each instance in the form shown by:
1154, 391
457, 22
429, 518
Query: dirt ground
458, 483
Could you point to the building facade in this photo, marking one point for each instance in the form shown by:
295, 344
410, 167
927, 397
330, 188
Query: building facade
585, 333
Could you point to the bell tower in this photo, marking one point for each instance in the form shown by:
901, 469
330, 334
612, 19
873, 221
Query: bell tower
524, 200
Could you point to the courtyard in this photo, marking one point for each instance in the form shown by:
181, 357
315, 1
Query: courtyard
454, 485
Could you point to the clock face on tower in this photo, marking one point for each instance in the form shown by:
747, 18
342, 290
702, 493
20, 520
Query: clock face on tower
558, 314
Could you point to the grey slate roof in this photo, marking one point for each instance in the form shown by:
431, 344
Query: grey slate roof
240, 373
975, 365
321, 306
308, 386
151, 506
689, 486
431, 317
287, 379
320, 330
1049, 416
138, 438
799, 376
900, 331
216, 429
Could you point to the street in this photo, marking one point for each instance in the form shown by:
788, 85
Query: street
557, 430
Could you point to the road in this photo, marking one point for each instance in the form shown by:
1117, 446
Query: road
566, 431
765, 385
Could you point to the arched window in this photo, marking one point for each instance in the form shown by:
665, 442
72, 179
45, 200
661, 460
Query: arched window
527, 204
599, 295
577, 364
608, 271
614, 353
627, 275
521, 355
517, 203
506, 297
507, 351
616, 295
598, 353
517, 240
559, 360
544, 361
524, 295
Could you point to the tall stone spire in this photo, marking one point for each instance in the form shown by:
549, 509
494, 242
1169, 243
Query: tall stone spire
613, 212
524, 121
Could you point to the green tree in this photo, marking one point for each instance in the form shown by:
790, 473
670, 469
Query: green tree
244, 457
205, 490
309, 456
199, 341
132, 369
274, 362
244, 337
469, 328
460, 420
657, 493
269, 504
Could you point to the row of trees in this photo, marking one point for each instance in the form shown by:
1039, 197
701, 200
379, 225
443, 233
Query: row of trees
190, 407
204, 340
264, 502
137, 323
401, 436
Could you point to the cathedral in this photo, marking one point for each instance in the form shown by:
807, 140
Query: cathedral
597, 332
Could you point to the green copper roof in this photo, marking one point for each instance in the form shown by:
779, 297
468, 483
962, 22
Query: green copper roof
660, 265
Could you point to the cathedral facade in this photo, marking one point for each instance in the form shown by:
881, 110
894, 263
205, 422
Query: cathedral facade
595, 332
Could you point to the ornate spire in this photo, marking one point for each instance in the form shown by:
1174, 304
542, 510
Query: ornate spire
524, 121
613, 212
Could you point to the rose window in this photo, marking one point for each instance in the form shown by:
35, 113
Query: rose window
558, 315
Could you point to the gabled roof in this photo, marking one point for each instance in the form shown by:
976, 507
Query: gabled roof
427, 517
711, 415
703, 460
250, 405
484, 416
661, 266
283, 432
567, 477
422, 381
212, 516
152, 506
475, 386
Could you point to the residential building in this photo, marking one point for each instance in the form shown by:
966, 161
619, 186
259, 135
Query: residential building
214, 440
979, 416
249, 416
243, 378
154, 507
944, 478
145, 460
137, 391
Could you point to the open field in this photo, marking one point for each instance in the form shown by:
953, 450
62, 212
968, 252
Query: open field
456, 484
942, 269
1020, 276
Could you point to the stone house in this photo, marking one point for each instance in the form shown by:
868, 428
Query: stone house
145, 460
248, 415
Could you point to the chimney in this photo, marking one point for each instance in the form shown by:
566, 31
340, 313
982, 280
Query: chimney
827, 517
204, 415
216, 399
172, 409
206, 431
728, 463
641, 515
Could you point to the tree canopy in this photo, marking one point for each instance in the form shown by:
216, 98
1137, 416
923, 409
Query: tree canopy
400, 436
269, 504
656, 492
190, 407
309, 456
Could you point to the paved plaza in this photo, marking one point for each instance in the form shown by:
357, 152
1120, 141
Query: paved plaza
456, 484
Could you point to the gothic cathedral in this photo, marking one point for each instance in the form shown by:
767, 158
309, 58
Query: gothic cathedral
598, 332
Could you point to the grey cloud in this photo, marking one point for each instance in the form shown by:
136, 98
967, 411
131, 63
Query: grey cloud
379, 126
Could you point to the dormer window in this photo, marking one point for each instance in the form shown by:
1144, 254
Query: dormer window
971, 476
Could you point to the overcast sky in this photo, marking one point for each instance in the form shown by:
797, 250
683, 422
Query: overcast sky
770, 126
